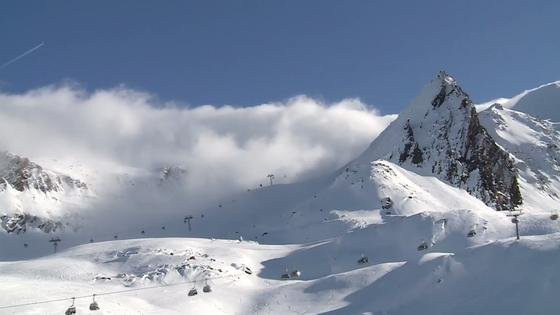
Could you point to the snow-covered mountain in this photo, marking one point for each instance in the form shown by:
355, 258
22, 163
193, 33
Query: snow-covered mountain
440, 134
24, 175
534, 146
32, 197
415, 224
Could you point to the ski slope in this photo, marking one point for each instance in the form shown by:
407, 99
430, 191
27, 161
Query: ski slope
456, 274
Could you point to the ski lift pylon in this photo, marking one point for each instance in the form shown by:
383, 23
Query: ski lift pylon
363, 260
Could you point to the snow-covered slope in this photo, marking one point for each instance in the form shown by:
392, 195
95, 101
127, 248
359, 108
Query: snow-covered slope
34, 197
535, 145
440, 134
154, 276
541, 102
419, 203
436, 148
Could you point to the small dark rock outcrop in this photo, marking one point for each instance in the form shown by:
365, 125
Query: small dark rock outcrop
386, 203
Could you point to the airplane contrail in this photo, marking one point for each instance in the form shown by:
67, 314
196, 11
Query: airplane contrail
21, 56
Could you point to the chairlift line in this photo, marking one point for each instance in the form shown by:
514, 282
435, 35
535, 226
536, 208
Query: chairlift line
90, 296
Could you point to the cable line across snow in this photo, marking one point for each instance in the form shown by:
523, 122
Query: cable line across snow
89, 296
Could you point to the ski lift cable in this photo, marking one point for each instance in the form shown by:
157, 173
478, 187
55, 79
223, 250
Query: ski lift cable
128, 233
131, 233
111, 292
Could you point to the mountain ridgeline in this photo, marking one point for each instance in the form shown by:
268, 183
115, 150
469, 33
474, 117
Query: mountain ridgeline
440, 134
496, 156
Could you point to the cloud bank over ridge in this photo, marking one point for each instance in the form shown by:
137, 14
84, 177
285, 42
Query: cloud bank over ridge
225, 148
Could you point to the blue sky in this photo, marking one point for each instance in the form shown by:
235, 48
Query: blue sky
245, 53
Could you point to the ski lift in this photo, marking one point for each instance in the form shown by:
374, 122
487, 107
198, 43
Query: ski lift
554, 217
94, 306
422, 246
363, 260
471, 233
206, 288
72, 309
295, 274
193, 292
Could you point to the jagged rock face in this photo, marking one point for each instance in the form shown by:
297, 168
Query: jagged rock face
30, 194
534, 144
22, 174
20, 222
440, 134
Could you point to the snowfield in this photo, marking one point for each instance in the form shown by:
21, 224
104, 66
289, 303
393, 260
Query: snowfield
408, 227
453, 276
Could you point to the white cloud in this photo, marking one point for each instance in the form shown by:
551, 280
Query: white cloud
225, 148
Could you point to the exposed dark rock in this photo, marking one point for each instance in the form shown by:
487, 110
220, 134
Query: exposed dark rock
409, 141
22, 174
440, 98
417, 156
19, 223
386, 203
459, 150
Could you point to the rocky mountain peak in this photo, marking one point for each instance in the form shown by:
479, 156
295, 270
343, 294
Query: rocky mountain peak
448, 86
440, 134
22, 174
